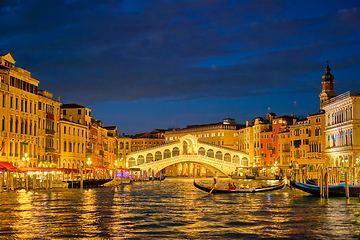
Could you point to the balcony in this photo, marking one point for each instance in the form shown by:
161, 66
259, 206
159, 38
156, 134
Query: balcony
313, 155
48, 149
4, 86
50, 131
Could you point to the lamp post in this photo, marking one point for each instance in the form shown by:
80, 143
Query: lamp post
26, 160
89, 165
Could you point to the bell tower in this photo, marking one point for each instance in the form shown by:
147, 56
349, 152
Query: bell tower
327, 86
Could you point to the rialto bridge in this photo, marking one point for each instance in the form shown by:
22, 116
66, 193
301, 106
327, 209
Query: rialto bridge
187, 156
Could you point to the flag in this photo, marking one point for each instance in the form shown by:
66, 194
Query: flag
334, 144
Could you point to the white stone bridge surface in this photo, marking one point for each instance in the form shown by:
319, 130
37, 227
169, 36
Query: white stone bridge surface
188, 149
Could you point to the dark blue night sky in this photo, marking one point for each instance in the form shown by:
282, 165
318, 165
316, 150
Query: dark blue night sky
141, 65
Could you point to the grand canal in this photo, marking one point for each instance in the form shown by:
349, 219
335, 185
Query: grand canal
175, 209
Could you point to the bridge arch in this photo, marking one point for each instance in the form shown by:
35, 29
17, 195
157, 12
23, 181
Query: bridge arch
213, 157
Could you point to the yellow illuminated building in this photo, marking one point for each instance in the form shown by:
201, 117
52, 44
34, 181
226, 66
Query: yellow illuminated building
222, 134
73, 143
29, 118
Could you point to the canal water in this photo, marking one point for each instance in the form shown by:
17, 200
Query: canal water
175, 209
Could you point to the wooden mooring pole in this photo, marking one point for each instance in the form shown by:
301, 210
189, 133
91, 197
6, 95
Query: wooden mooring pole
327, 184
346, 185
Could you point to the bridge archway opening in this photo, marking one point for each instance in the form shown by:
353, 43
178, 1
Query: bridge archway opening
132, 162
210, 153
175, 152
219, 155
236, 159
140, 160
158, 156
185, 146
227, 157
149, 157
244, 162
201, 151
167, 154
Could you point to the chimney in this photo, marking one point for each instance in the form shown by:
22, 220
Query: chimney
247, 123
58, 98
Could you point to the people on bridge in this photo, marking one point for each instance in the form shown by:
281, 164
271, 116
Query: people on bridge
216, 176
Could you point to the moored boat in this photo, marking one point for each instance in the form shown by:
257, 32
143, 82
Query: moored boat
88, 183
334, 191
157, 178
238, 190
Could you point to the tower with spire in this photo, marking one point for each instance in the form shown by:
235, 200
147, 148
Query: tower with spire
327, 86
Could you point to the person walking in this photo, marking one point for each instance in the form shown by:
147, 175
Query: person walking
216, 176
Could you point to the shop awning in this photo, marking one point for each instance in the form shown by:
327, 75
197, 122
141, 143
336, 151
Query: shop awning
5, 166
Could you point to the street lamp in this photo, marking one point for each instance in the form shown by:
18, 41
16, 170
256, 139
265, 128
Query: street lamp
89, 161
25, 159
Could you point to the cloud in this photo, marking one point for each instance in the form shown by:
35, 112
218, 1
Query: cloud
88, 51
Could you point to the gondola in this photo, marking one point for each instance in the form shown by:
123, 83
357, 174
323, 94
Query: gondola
157, 178
238, 190
334, 191
88, 183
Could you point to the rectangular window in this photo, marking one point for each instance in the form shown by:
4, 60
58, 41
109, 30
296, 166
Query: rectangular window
64, 112
79, 111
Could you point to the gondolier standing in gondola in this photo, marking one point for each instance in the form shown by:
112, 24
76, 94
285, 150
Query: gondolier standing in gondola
216, 176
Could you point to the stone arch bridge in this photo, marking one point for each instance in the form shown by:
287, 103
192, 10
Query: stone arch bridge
188, 149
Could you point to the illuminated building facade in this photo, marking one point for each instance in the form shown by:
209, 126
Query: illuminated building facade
342, 129
72, 144
29, 118
269, 139
222, 134
148, 139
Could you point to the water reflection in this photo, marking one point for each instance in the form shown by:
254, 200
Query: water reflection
175, 209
